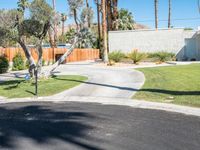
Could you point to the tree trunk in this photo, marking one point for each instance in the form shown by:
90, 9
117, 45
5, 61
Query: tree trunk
115, 14
156, 13
55, 24
75, 18
88, 18
51, 39
63, 27
28, 55
40, 52
109, 15
98, 20
169, 15
63, 58
104, 27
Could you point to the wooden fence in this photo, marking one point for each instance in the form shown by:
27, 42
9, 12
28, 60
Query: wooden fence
52, 54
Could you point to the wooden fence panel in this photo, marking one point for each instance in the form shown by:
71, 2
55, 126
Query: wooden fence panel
49, 54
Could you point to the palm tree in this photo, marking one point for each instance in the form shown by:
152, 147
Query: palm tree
98, 22
115, 13
55, 23
156, 13
199, 5
169, 16
88, 18
109, 14
63, 19
104, 27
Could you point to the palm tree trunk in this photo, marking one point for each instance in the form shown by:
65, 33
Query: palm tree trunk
51, 41
169, 16
104, 27
88, 18
115, 13
63, 27
98, 20
55, 24
109, 14
156, 13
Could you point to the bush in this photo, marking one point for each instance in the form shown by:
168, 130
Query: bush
136, 56
4, 64
18, 62
116, 56
43, 62
162, 56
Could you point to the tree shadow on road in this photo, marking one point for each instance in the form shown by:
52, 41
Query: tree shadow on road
42, 123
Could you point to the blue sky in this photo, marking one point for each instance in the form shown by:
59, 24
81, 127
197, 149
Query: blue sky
143, 11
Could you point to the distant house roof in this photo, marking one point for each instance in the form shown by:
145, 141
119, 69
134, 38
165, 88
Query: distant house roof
138, 26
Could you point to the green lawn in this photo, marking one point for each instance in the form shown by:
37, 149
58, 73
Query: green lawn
20, 88
175, 84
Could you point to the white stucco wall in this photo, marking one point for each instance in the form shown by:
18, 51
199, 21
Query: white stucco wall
172, 40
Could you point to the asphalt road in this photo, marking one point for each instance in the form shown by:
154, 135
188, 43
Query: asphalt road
77, 126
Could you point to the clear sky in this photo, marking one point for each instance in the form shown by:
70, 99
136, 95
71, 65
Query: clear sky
184, 12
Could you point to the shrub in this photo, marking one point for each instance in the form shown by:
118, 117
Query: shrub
136, 56
18, 62
27, 64
116, 56
4, 64
43, 62
162, 56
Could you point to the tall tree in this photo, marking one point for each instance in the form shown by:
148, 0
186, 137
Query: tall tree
198, 3
55, 23
40, 21
169, 15
156, 13
98, 21
104, 28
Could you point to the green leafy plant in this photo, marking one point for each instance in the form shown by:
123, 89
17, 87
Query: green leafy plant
116, 56
162, 56
136, 56
125, 20
4, 64
18, 62
43, 62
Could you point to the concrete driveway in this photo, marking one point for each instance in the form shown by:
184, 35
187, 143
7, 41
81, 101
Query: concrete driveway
112, 82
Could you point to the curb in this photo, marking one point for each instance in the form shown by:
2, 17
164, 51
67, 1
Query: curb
113, 101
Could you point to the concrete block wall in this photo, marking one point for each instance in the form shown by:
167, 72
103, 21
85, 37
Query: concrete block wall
173, 40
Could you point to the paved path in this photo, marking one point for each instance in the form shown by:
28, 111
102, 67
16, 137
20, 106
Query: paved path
110, 82
82, 126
